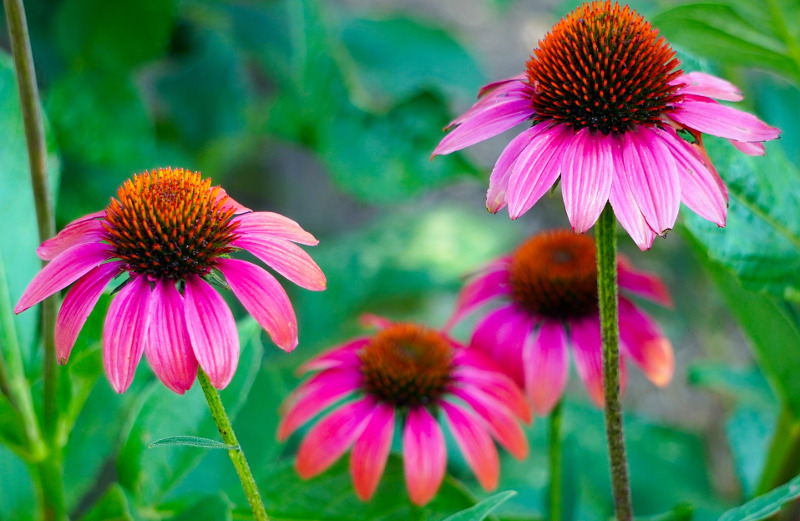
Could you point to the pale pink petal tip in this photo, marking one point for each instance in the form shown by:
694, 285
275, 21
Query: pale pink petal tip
424, 456
659, 361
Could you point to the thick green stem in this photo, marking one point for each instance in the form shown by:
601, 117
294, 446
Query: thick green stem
237, 456
609, 331
554, 440
783, 457
51, 487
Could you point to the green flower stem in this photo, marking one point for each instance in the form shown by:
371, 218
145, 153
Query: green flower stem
783, 457
51, 487
237, 456
554, 440
609, 331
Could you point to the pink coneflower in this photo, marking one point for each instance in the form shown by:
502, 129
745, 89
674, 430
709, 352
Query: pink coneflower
547, 297
417, 376
616, 119
171, 232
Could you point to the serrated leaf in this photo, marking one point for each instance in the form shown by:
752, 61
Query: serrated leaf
765, 506
191, 441
484, 508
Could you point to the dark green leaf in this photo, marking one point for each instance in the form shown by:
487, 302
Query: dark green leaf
764, 506
191, 441
484, 508
113, 506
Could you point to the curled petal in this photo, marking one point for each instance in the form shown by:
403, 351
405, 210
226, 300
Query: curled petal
424, 455
286, 258
702, 84
88, 228
496, 197
709, 117
500, 336
490, 95
480, 290
476, 445
238, 208
490, 87
645, 344
587, 170
371, 450
273, 226
751, 149
546, 367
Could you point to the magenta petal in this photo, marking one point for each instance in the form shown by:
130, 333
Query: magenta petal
586, 173
424, 455
78, 304
625, 206
88, 228
497, 385
587, 351
286, 258
642, 283
477, 292
273, 226
643, 341
332, 436
62, 271
751, 149
710, 117
500, 336
489, 87
212, 330
345, 355
168, 348
125, 331
702, 84
499, 93
546, 367
476, 445
371, 450
501, 173
498, 418
231, 202
264, 298
653, 177
537, 168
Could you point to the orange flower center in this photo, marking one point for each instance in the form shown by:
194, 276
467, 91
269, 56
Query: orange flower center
554, 275
604, 67
169, 224
407, 365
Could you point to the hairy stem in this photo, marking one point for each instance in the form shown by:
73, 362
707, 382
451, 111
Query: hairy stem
554, 441
609, 326
236, 454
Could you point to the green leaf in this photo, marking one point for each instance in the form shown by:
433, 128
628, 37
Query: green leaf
191, 441
749, 431
765, 506
113, 506
747, 385
198, 508
482, 509
681, 512
17, 490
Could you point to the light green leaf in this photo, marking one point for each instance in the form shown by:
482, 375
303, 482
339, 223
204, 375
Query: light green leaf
191, 441
113, 506
765, 506
484, 508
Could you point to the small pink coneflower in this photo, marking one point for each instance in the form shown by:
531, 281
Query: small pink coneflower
547, 297
616, 119
171, 233
415, 376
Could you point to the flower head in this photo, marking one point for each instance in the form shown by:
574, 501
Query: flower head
615, 118
171, 233
417, 376
546, 298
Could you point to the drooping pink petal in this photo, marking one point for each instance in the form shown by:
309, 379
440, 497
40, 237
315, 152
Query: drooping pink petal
314, 396
239, 208
588, 352
489, 87
643, 341
371, 450
496, 198
702, 84
546, 367
483, 288
626, 209
78, 304
500, 335
88, 228
286, 258
332, 436
709, 117
424, 455
476, 445
751, 149
498, 118
125, 331
498, 418
168, 348
273, 226
653, 177
586, 173
702, 190
264, 298
642, 283
474, 370
345, 355
537, 168
501, 91
212, 330
62, 271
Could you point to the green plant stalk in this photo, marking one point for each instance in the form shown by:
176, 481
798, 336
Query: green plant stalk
783, 457
554, 442
609, 332
237, 456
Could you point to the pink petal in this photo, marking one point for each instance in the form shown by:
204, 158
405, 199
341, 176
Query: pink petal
332, 436
499, 420
125, 331
273, 226
489, 87
537, 168
643, 341
751, 149
587, 350
642, 283
474, 370
653, 178
424, 455
710, 117
498, 118
168, 348
78, 305
345, 355
231, 202
371, 450
476, 445
212, 330
587, 170
264, 298
546, 367
372, 321
500, 336
480, 290
498, 92
314, 396
702, 84
88, 228
286, 258
501, 173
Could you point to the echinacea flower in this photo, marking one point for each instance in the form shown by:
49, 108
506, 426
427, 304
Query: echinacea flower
171, 233
615, 118
545, 298
412, 375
